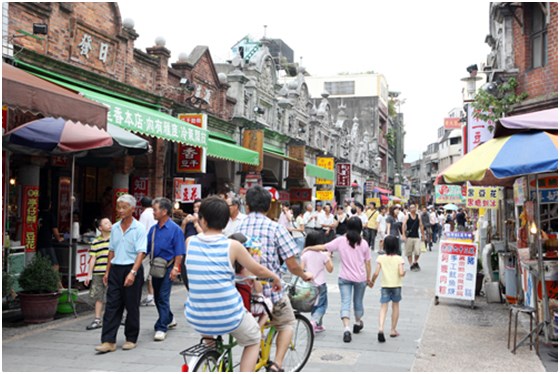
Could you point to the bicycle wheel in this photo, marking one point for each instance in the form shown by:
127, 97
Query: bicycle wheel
300, 347
208, 362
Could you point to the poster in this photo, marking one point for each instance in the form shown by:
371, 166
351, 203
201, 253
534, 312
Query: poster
448, 193
178, 187
64, 204
484, 197
456, 271
140, 188
519, 191
325, 195
30, 209
192, 159
343, 175
327, 163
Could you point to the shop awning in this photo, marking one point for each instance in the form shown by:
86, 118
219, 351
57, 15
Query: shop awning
312, 170
144, 120
30, 93
231, 152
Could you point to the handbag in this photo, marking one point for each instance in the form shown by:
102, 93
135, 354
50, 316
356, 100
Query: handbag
158, 265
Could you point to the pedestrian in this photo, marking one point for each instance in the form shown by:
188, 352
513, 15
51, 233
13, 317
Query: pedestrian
309, 218
434, 223
425, 217
354, 275
412, 230
341, 218
235, 216
47, 230
320, 219
285, 217
394, 227
450, 220
190, 223
381, 226
210, 260
97, 265
165, 240
124, 277
361, 214
461, 219
148, 220
372, 225
297, 228
391, 266
316, 263
401, 215
441, 222
328, 224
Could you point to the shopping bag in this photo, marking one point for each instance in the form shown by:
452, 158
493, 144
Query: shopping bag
423, 247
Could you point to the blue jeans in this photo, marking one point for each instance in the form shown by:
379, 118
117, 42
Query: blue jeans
162, 292
320, 307
346, 287
300, 242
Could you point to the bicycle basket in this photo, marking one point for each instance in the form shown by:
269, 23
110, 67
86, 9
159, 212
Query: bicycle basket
303, 295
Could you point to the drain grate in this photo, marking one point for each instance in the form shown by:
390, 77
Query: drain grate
331, 357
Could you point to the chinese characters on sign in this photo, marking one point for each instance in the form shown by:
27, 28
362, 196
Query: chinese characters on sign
483, 197
327, 163
82, 258
456, 271
446, 193
190, 192
519, 191
178, 187
459, 236
30, 209
479, 131
325, 195
139, 190
192, 159
451, 123
300, 194
64, 204
343, 175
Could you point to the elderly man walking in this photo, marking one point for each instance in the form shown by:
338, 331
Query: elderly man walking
166, 241
124, 277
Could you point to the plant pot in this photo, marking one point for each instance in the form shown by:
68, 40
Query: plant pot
38, 308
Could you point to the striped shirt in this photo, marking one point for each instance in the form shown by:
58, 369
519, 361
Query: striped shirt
276, 243
100, 250
214, 306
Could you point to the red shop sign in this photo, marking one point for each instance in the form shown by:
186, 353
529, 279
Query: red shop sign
191, 159
343, 175
300, 194
139, 190
30, 205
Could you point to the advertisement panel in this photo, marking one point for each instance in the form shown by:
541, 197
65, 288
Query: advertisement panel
192, 159
478, 131
327, 163
484, 197
343, 175
446, 193
325, 195
456, 271
30, 209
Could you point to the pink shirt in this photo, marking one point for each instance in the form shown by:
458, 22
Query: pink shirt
315, 264
352, 260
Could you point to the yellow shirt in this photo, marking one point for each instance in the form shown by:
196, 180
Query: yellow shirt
372, 219
390, 277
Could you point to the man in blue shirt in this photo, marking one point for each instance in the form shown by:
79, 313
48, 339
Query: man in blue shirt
124, 277
167, 241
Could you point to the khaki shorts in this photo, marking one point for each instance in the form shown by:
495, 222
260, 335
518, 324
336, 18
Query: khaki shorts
146, 264
248, 333
283, 314
413, 245
97, 290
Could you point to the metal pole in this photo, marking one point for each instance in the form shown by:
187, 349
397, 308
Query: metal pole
540, 263
69, 288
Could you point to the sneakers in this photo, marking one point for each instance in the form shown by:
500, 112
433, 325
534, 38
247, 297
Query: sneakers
319, 328
173, 324
127, 346
358, 327
415, 267
160, 336
148, 301
123, 320
106, 347
347, 337
95, 324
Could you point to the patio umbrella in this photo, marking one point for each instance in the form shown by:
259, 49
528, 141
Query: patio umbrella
450, 206
51, 136
541, 120
500, 160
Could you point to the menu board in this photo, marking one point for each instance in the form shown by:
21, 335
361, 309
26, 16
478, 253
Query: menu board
456, 271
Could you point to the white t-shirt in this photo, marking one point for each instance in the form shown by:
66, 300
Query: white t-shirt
382, 225
364, 219
147, 218
233, 224
321, 218
401, 216
297, 224
328, 220
308, 220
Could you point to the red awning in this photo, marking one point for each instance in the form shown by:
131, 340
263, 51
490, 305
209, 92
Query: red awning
381, 190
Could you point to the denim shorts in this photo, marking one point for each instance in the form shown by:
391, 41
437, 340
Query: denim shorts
390, 294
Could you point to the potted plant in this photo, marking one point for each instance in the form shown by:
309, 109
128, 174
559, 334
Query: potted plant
39, 296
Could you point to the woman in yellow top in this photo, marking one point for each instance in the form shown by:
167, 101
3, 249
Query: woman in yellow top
391, 265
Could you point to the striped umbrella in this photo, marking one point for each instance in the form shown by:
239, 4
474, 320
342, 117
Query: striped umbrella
500, 160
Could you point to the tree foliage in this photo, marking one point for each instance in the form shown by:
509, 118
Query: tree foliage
491, 105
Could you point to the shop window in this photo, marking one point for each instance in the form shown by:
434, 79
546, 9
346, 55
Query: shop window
538, 35
340, 88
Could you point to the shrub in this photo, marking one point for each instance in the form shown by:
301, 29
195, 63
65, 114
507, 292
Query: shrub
39, 276
7, 284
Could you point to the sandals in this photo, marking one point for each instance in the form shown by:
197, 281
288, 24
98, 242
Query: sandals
394, 335
381, 337
95, 324
273, 366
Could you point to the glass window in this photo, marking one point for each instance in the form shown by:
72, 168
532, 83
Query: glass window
538, 36
340, 88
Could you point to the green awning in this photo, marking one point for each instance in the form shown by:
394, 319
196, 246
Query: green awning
144, 120
312, 170
220, 136
231, 152
273, 149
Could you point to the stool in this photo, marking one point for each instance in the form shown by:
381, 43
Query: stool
529, 311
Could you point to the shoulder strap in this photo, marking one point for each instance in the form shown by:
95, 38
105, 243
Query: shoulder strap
153, 248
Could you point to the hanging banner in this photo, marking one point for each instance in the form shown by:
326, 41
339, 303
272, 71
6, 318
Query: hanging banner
82, 259
190, 192
456, 271
327, 163
192, 159
300, 194
448, 193
30, 209
478, 131
139, 190
519, 191
398, 191
64, 204
178, 187
325, 195
484, 197
343, 175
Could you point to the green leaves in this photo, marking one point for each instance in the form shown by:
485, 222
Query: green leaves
39, 276
493, 106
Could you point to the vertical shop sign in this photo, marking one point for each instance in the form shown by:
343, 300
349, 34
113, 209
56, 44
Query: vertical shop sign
327, 163
117, 192
519, 191
343, 175
254, 140
192, 159
456, 271
64, 204
479, 131
30, 209
82, 258
140, 187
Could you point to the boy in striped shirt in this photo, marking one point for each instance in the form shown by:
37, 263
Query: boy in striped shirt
98, 256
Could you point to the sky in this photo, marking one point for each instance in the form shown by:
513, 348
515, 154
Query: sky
422, 48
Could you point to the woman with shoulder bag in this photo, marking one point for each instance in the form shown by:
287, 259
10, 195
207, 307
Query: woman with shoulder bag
297, 227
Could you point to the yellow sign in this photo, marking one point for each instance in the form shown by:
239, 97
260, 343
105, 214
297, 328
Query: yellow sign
374, 200
398, 191
325, 195
327, 163
484, 197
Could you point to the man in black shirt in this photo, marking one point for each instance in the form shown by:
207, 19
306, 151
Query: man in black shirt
461, 219
47, 229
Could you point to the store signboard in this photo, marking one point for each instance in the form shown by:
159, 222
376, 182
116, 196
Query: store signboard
178, 187
192, 159
327, 163
30, 209
300, 194
284, 196
484, 197
369, 185
479, 131
519, 191
451, 123
447, 193
64, 204
325, 195
458, 236
82, 259
140, 188
456, 271
343, 175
